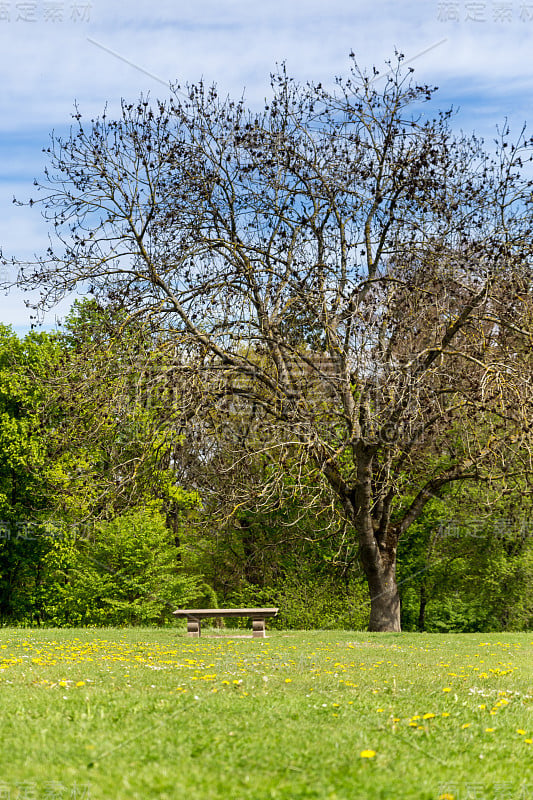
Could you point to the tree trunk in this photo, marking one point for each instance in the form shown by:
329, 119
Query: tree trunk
380, 569
422, 611
173, 522
384, 603
252, 570
378, 542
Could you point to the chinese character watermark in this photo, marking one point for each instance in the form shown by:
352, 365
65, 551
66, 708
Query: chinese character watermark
49, 790
502, 528
32, 11
24, 531
476, 791
479, 11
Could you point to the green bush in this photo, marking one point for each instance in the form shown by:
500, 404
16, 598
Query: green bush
124, 572
305, 604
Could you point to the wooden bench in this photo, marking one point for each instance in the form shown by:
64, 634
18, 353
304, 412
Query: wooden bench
196, 615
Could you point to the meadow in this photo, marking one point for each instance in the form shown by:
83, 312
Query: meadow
136, 714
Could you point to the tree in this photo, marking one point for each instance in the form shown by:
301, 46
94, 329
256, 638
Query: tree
339, 264
25, 483
116, 438
86, 478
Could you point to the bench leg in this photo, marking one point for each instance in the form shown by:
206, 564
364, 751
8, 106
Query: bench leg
258, 628
193, 626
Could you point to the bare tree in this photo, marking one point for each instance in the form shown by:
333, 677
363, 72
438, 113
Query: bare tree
339, 263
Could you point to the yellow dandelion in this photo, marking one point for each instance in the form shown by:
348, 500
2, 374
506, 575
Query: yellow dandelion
367, 753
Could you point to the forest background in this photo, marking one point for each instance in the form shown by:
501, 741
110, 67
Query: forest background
98, 528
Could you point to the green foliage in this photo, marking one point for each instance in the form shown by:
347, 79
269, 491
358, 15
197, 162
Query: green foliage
153, 546
469, 560
321, 604
206, 597
480, 586
25, 486
78, 441
23, 365
122, 572
308, 603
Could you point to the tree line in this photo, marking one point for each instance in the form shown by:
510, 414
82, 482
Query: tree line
115, 508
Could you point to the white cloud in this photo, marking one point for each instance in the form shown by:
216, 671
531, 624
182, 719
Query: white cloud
483, 65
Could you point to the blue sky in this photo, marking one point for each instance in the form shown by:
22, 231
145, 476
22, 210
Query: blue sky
53, 53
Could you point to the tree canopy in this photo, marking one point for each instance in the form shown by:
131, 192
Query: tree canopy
348, 284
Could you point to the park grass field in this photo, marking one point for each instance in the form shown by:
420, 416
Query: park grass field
129, 714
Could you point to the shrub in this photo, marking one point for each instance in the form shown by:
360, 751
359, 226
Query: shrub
313, 602
125, 572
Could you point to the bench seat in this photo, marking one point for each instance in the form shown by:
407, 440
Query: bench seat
196, 615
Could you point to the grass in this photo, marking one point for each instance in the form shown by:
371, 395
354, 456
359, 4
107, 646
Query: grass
146, 713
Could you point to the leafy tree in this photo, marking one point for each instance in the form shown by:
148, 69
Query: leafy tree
25, 484
344, 266
116, 440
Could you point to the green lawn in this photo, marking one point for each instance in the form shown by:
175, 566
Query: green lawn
147, 713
